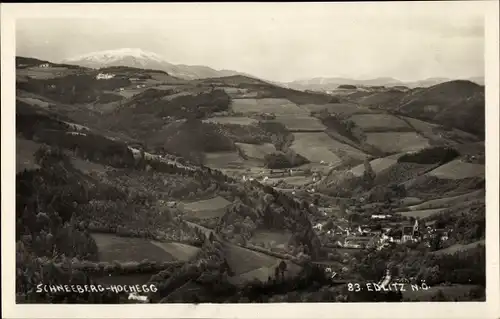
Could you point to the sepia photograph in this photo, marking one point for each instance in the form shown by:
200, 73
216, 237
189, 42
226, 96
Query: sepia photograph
252, 154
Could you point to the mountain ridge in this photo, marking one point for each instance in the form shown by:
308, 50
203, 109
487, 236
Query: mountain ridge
134, 57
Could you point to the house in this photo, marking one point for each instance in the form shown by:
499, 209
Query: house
104, 76
380, 216
443, 233
357, 242
318, 227
44, 65
407, 234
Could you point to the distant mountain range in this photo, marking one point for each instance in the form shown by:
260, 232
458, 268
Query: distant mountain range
139, 58
325, 84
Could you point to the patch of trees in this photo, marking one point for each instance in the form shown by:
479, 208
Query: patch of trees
250, 134
279, 135
347, 86
346, 128
73, 89
193, 138
30, 120
189, 105
295, 96
434, 155
468, 223
286, 159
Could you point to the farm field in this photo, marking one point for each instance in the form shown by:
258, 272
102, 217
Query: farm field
256, 151
179, 251
301, 123
280, 238
89, 167
378, 122
239, 120
270, 105
223, 160
209, 208
112, 247
408, 201
454, 291
242, 260
448, 201
378, 165
33, 101
459, 247
262, 274
25, 149
45, 73
458, 170
296, 180
318, 147
421, 126
345, 109
421, 213
396, 142
132, 279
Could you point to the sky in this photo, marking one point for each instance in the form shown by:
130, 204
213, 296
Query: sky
277, 41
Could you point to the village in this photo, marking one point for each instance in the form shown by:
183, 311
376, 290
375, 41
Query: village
372, 226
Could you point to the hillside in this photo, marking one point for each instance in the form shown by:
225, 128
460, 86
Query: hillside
454, 104
213, 189
331, 84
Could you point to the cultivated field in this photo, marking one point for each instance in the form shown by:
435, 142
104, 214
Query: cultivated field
378, 122
210, 208
421, 126
407, 201
89, 167
129, 279
345, 109
448, 201
242, 260
112, 247
421, 213
301, 123
295, 180
179, 251
459, 247
453, 291
256, 151
458, 170
276, 106
239, 120
396, 142
262, 274
318, 147
33, 101
263, 237
44, 73
223, 160
25, 149
378, 165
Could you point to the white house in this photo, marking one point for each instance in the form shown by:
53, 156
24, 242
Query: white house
104, 76
318, 227
377, 216
44, 65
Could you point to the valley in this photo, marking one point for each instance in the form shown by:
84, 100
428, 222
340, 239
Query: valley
234, 189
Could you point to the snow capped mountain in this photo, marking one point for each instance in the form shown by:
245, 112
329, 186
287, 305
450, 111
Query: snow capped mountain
138, 58
109, 56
